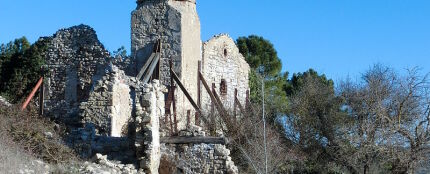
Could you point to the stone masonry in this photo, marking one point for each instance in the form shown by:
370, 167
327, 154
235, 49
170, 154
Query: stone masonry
110, 104
108, 111
74, 56
177, 25
196, 158
225, 67
149, 108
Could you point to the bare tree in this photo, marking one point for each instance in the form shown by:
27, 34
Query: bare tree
390, 114
246, 137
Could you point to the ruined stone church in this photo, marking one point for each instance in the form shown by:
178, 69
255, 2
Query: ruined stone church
126, 107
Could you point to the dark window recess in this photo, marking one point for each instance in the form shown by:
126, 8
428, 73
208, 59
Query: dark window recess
223, 87
225, 52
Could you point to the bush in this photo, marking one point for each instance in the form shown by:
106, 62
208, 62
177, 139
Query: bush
34, 134
14, 160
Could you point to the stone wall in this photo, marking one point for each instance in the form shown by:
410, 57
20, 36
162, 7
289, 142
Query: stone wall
149, 109
87, 143
110, 103
110, 112
74, 56
177, 25
196, 158
222, 63
152, 21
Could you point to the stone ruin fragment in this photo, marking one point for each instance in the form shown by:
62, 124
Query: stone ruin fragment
125, 108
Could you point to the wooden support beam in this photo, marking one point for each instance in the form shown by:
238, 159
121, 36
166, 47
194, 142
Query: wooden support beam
199, 102
188, 118
212, 127
224, 112
193, 140
167, 106
151, 68
242, 110
235, 103
248, 106
219, 107
172, 88
171, 124
148, 62
250, 109
156, 50
157, 47
175, 78
246, 100
215, 99
157, 71
181, 86
41, 98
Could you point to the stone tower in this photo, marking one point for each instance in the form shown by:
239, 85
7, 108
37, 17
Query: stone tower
177, 25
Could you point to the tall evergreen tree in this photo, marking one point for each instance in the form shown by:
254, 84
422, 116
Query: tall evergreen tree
260, 55
265, 67
20, 67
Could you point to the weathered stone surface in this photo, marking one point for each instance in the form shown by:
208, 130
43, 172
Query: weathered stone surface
109, 111
199, 158
223, 62
110, 103
147, 140
74, 56
101, 164
3, 101
177, 25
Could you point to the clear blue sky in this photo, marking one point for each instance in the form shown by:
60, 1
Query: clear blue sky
335, 37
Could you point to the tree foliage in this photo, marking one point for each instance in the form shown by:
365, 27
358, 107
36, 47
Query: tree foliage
314, 118
260, 55
299, 80
266, 67
121, 53
20, 67
380, 124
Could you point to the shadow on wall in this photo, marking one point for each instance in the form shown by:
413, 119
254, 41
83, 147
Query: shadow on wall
142, 55
87, 144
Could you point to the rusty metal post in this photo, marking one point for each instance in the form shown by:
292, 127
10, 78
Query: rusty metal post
27, 101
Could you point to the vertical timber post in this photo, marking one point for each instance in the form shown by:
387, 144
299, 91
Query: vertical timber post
41, 98
188, 118
171, 124
235, 104
213, 120
167, 112
247, 101
198, 91
172, 86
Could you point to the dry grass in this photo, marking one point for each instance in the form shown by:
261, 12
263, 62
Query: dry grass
15, 160
27, 132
